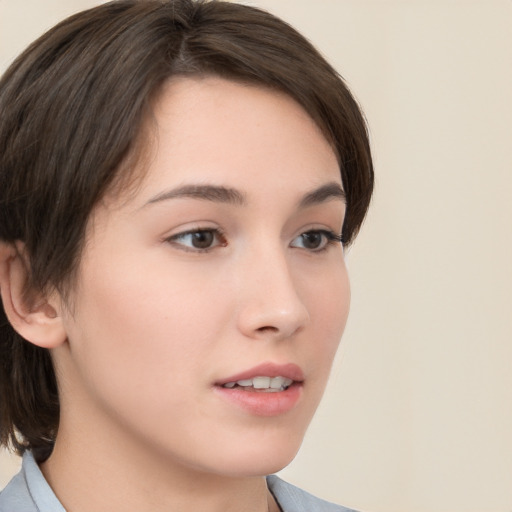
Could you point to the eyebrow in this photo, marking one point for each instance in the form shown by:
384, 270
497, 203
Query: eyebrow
233, 196
214, 193
324, 193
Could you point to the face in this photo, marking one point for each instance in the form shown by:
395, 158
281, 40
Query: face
210, 302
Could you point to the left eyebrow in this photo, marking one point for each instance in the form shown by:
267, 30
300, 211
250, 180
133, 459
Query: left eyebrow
324, 193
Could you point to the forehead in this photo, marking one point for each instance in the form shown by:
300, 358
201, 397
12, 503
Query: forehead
213, 126
221, 132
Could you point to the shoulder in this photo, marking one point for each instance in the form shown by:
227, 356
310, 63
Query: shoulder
16, 496
28, 491
293, 499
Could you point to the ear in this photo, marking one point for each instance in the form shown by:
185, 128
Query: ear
33, 315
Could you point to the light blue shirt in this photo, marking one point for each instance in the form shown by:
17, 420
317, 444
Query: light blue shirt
29, 491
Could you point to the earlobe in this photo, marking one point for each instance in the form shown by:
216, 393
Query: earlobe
31, 314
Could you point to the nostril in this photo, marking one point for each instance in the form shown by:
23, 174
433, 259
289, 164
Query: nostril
268, 328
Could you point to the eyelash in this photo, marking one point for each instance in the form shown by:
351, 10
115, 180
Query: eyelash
217, 233
331, 238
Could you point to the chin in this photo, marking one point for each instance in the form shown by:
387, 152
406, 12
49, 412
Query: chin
259, 458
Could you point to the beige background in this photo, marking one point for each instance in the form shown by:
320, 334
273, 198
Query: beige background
418, 416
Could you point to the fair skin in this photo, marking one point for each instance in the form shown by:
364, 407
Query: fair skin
220, 267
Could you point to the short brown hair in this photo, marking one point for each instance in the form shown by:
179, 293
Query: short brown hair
72, 106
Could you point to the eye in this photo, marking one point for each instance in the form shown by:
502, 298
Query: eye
199, 240
316, 240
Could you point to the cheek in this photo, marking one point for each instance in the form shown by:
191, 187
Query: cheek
142, 347
329, 307
139, 332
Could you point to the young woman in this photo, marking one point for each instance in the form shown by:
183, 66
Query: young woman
178, 181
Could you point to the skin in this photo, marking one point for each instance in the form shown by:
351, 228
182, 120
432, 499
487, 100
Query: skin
155, 322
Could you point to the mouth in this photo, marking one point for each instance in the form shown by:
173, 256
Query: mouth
261, 384
265, 390
266, 377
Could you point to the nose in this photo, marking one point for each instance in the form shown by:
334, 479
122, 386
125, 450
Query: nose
270, 305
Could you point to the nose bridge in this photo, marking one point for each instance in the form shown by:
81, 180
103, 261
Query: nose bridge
271, 302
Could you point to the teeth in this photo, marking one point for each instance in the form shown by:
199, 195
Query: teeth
262, 382
280, 382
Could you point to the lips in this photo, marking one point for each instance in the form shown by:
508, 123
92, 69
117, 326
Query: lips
265, 390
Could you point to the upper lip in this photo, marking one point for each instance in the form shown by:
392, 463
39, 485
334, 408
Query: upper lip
288, 371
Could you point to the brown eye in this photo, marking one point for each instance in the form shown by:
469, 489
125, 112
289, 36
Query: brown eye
202, 239
312, 239
316, 240
199, 240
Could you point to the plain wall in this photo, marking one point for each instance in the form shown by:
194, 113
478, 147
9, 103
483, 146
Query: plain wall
418, 415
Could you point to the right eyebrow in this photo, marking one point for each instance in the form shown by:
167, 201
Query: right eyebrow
206, 192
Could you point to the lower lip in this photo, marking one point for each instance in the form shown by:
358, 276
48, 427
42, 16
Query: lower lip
261, 403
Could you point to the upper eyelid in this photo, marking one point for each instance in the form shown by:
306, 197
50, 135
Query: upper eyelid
191, 231
191, 227
322, 229
332, 236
